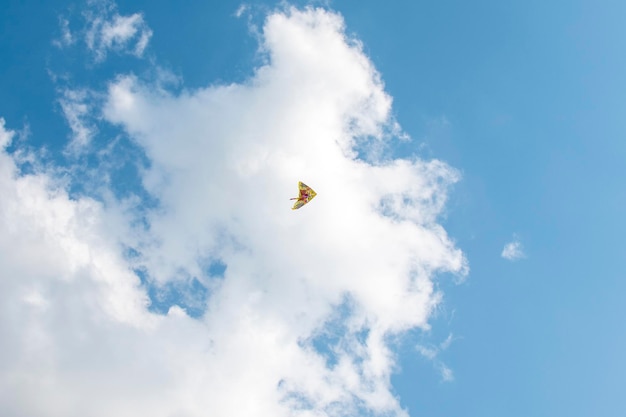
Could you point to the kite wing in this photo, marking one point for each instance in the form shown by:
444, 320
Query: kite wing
306, 194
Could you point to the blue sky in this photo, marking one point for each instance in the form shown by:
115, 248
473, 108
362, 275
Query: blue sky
523, 104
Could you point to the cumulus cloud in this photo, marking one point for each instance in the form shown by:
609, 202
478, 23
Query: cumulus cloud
513, 251
297, 322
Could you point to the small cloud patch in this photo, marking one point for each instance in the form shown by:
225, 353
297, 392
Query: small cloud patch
513, 251
104, 30
431, 353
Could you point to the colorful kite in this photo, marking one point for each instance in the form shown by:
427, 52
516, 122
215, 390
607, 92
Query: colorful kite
306, 195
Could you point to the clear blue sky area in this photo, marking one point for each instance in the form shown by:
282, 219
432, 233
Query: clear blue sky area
526, 99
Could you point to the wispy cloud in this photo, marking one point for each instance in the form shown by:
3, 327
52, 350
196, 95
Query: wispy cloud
105, 30
513, 251
432, 352
446, 373
66, 38
108, 30
223, 161
243, 8
76, 107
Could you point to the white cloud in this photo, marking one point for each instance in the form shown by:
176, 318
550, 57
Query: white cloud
432, 354
513, 250
6, 136
358, 261
243, 8
107, 30
104, 30
427, 352
446, 373
76, 108
66, 38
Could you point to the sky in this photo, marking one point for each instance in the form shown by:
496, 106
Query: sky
462, 257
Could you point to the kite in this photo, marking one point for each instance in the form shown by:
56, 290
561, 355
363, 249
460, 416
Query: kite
306, 195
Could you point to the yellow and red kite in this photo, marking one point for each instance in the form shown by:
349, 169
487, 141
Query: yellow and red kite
306, 195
